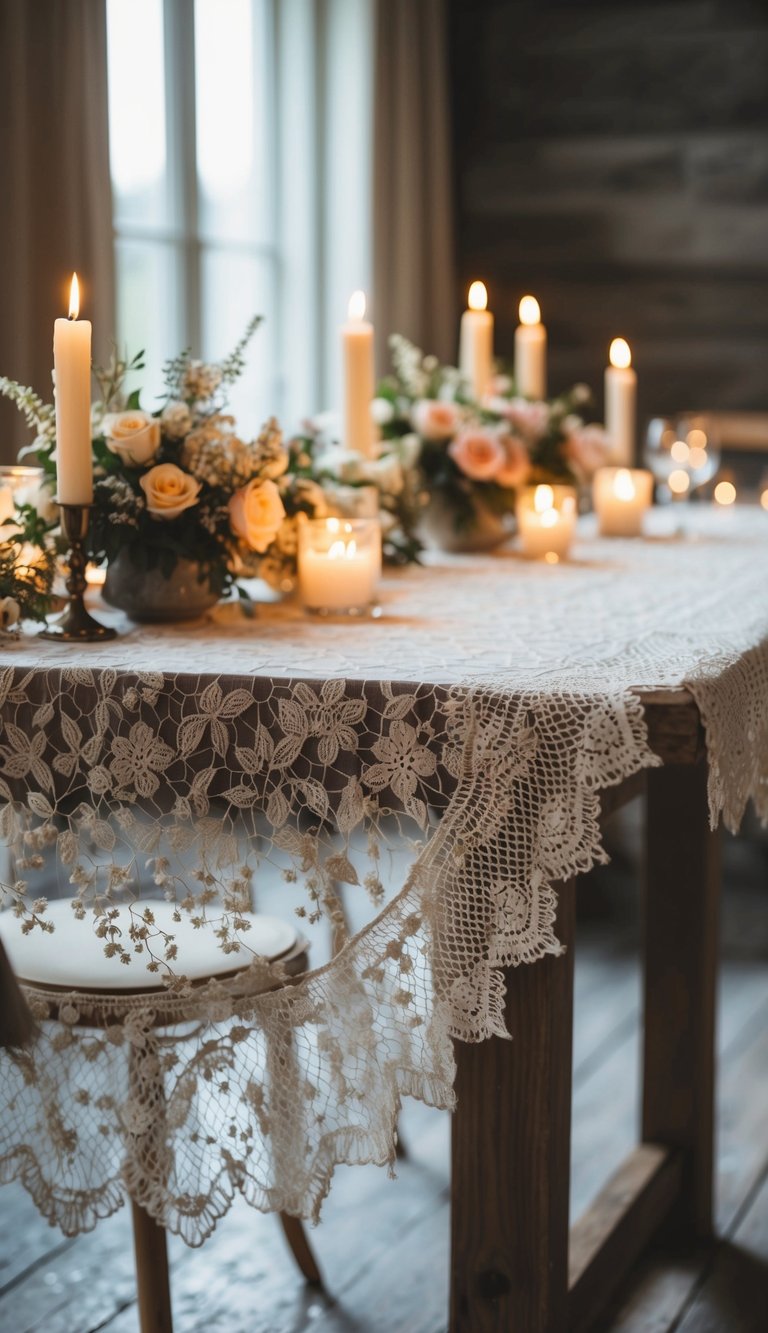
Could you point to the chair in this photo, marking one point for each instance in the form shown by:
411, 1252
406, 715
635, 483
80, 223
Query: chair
72, 958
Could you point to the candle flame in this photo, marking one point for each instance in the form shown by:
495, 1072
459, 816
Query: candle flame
623, 485
74, 298
477, 298
357, 306
530, 311
342, 550
620, 356
543, 499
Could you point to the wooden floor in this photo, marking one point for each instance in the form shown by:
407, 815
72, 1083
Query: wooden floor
383, 1244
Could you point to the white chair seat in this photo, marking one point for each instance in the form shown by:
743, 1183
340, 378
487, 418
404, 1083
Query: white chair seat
73, 956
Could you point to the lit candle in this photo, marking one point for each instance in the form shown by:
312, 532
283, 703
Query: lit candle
339, 565
476, 342
620, 404
530, 351
621, 496
546, 520
72, 366
357, 346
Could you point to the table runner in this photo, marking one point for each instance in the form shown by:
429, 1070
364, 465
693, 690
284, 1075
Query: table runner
179, 761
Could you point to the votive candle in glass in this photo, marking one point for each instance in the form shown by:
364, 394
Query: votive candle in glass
546, 520
339, 565
620, 496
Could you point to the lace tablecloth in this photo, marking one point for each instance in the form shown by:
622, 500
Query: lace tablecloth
184, 761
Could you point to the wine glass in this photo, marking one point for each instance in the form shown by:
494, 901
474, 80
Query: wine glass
666, 457
697, 447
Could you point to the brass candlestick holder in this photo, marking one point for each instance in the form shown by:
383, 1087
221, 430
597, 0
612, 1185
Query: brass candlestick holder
76, 625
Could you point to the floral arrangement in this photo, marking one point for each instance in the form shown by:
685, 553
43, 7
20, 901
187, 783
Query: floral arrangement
316, 460
27, 566
479, 453
181, 482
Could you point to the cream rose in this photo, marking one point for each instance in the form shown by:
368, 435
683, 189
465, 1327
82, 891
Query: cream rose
169, 491
133, 436
255, 513
435, 419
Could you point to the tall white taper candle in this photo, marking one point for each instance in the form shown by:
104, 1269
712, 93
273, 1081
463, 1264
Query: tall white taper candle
476, 342
72, 365
620, 404
357, 344
530, 351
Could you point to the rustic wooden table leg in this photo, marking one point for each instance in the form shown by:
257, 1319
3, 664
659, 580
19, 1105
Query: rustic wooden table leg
152, 1282
511, 1156
681, 938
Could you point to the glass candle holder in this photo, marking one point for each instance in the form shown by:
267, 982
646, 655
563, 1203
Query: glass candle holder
345, 501
18, 485
546, 520
339, 566
620, 496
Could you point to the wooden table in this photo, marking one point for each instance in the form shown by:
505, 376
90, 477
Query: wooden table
514, 1263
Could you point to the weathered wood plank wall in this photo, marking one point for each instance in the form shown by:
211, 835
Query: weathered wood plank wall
612, 158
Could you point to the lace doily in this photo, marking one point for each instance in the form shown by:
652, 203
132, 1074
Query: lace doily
478, 720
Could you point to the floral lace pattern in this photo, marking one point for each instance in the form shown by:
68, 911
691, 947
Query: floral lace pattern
185, 762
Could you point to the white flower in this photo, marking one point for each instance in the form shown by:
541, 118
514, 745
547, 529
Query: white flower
201, 380
133, 436
176, 420
10, 612
255, 513
436, 419
382, 411
169, 491
386, 473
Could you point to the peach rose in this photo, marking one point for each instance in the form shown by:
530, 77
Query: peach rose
255, 513
169, 491
133, 436
517, 463
435, 419
479, 454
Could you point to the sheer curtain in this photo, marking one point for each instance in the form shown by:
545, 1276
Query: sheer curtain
414, 267
56, 214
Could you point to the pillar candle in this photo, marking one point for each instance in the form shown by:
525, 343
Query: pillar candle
357, 345
546, 521
476, 342
72, 366
530, 351
620, 404
621, 496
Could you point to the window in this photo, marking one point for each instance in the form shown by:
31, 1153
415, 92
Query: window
240, 135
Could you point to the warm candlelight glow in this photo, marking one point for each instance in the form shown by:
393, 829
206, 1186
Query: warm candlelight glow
679, 482
357, 306
725, 493
623, 486
543, 499
697, 439
764, 498
679, 452
74, 298
477, 298
620, 356
530, 312
697, 457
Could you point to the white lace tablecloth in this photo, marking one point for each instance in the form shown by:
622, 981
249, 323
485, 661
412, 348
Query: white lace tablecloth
184, 761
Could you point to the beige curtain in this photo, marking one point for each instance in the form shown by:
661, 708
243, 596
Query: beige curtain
56, 213
413, 251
